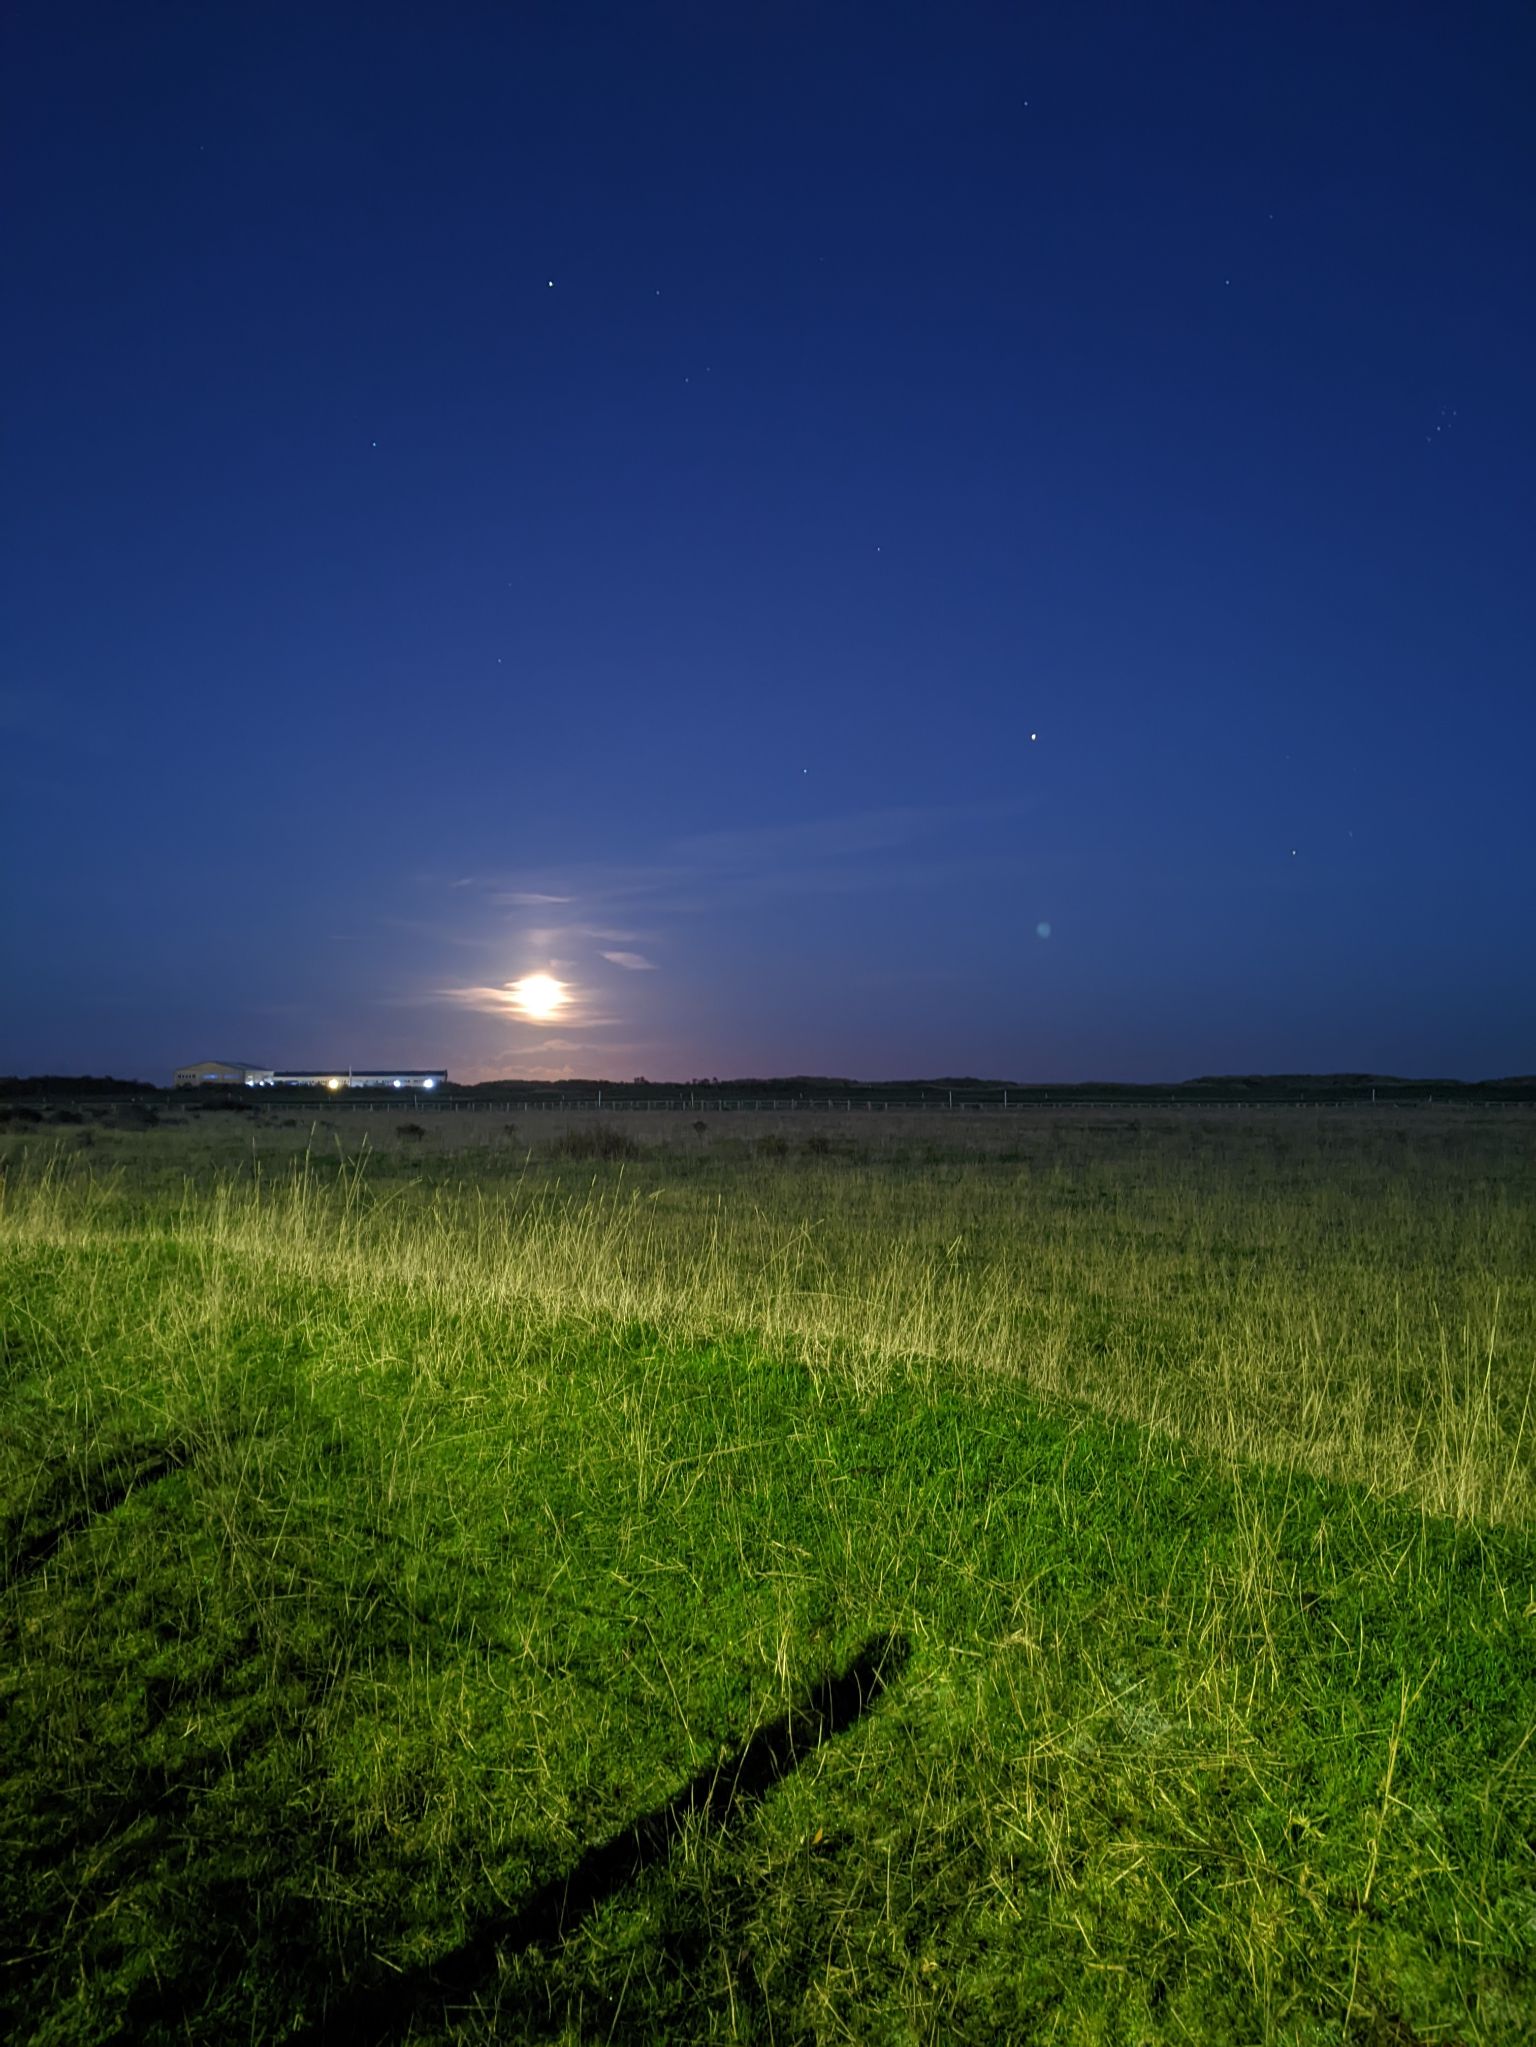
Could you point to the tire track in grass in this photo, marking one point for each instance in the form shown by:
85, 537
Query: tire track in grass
715, 1797
78, 1496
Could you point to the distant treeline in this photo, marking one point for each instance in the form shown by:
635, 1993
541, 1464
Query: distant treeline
969, 1088
956, 1090
73, 1084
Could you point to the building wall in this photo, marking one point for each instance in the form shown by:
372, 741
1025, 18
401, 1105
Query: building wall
429, 1077
230, 1073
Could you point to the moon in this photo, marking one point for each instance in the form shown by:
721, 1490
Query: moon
538, 996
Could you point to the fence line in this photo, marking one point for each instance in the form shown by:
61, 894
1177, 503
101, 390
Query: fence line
794, 1105
778, 1105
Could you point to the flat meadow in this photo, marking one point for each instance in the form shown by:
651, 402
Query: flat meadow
1062, 1576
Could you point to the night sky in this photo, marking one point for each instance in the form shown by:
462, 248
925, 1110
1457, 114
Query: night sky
861, 539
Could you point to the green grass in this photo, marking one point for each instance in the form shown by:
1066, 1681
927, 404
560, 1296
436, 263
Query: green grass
387, 1546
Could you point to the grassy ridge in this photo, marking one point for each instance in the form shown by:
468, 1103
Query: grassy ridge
1356, 1296
377, 1549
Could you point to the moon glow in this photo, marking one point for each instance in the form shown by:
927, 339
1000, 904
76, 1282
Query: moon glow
538, 996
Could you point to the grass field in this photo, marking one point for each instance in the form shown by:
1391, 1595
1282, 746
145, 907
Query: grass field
1060, 1579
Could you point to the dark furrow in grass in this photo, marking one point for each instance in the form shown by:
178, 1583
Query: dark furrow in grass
72, 1502
715, 1797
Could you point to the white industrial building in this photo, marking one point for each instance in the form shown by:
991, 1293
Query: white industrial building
236, 1073
222, 1073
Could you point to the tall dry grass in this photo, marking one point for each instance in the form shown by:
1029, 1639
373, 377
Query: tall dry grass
1354, 1299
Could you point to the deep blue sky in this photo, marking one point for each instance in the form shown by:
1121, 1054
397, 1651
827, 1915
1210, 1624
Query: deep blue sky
615, 491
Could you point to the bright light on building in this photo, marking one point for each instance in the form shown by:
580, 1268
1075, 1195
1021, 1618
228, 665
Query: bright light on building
233, 1073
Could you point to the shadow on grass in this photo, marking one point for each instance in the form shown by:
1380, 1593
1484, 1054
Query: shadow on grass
75, 1497
715, 1797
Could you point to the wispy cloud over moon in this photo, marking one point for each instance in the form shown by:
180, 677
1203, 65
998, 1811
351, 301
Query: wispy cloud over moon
671, 920
506, 1002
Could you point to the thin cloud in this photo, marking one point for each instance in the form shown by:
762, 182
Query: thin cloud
612, 910
567, 1045
501, 1002
493, 1001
